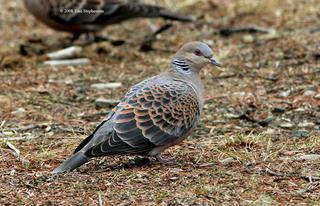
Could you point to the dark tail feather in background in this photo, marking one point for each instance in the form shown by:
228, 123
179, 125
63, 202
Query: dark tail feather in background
164, 13
145, 10
72, 163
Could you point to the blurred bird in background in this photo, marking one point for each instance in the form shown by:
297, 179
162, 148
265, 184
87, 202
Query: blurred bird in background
90, 16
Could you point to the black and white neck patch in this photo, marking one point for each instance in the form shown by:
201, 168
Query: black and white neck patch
181, 66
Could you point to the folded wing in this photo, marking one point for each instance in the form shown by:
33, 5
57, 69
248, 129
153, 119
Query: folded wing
149, 116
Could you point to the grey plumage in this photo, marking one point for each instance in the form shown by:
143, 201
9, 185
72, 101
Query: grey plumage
155, 114
89, 16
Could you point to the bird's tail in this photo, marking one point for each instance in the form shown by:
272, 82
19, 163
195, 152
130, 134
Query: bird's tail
76, 160
146, 10
164, 13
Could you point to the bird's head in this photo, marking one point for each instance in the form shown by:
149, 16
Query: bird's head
193, 56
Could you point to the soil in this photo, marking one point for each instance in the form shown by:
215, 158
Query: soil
258, 142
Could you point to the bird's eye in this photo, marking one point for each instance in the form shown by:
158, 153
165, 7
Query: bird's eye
198, 52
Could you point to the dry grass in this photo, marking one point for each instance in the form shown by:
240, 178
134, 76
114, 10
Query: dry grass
242, 153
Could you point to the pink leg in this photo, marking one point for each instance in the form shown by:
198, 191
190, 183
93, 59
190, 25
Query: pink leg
90, 37
162, 160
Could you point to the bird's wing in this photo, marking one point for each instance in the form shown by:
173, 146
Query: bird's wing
149, 116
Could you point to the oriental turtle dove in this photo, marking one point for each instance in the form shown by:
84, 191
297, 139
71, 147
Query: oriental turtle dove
155, 114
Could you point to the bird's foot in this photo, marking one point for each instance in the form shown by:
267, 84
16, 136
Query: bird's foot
146, 45
74, 37
91, 37
114, 42
160, 159
81, 40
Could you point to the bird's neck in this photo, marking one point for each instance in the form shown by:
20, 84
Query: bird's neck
180, 70
181, 66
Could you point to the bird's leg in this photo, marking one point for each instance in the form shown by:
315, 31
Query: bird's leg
90, 37
147, 43
114, 42
162, 160
87, 39
75, 37
99, 38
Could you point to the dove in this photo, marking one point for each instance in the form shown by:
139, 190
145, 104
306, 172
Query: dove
154, 114
90, 16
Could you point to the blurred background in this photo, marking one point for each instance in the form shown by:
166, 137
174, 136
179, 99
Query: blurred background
262, 112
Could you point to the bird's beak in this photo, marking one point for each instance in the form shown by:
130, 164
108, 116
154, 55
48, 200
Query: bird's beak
215, 62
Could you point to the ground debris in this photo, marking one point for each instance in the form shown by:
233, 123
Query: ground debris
261, 112
79, 61
112, 85
308, 157
106, 103
67, 53
244, 29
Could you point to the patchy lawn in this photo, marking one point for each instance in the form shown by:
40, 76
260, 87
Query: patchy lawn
259, 139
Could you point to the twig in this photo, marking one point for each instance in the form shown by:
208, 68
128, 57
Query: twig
18, 138
278, 174
313, 186
272, 173
38, 126
264, 77
16, 152
101, 203
28, 127
97, 114
310, 178
71, 130
247, 29
31, 186
226, 76
304, 74
210, 164
55, 138
14, 149
246, 116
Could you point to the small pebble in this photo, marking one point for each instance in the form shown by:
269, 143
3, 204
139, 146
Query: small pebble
20, 111
278, 110
79, 61
248, 38
4, 101
284, 93
286, 125
309, 93
300, 109
105, 103
306, 124
227, 161
231, 116
112, 85
300, 133
308, 157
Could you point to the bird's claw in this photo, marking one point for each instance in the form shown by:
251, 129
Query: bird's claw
160, 159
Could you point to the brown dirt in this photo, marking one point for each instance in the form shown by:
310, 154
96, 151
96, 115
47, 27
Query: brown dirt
261, 114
